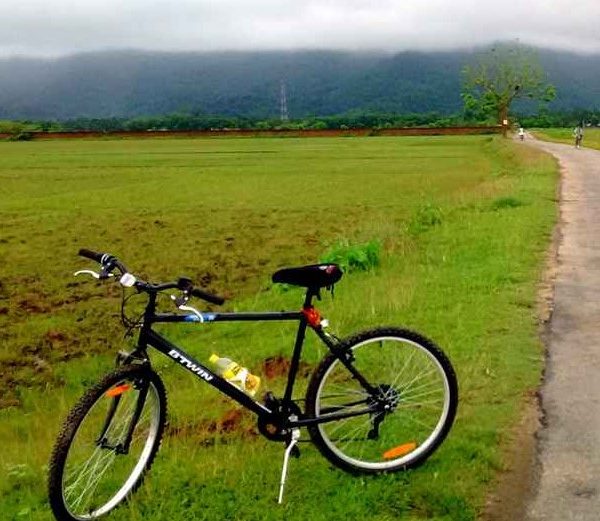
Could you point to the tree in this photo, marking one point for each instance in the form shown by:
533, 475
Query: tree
500, 75
11, 127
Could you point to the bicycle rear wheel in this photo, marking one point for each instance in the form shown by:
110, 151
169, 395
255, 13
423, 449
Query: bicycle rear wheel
107, 443
413, 401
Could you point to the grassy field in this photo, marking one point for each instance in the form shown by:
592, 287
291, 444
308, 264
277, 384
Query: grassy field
464, 223
591, 137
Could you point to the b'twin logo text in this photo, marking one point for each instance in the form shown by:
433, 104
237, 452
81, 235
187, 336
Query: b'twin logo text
190, 365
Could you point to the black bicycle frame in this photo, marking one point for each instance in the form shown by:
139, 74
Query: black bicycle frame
149, 337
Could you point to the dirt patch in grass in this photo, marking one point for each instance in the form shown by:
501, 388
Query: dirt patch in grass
279, 366
231, 422
28, 372
32, 303
55, 337
31, 367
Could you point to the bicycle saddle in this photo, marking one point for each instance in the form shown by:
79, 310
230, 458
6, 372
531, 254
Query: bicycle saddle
311, 276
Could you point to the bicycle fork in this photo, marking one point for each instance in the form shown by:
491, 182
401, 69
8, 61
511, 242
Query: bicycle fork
122, 447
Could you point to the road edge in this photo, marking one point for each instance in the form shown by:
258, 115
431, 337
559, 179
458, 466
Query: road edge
516, 484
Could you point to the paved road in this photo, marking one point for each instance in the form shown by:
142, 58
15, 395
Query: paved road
569, 444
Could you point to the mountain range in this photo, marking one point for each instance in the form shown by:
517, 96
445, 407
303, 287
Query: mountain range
248, 84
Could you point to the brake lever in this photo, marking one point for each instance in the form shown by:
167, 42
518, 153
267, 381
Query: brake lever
94, 274
127, 279
180, 302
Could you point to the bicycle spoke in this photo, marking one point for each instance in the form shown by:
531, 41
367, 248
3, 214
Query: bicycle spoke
341, 423
348, 384
433, 405
413, 397
418, 422
422, 374
90, 476
393, 384
102, 455
95, 479
80, 471
425, 385
356, 430
82, 474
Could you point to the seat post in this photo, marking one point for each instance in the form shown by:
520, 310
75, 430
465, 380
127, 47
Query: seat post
310, 293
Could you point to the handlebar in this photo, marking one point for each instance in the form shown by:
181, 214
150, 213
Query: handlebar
185, 284
92, 255
110, 262
209, 297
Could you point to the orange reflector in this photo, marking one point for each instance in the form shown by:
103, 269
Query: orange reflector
119, 389
400, 450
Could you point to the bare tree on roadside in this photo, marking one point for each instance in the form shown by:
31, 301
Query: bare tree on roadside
499, 76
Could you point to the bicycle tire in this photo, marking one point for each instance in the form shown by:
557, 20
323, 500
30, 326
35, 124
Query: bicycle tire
79, 435
399, 443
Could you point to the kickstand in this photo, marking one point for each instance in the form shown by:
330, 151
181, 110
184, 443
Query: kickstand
291, 444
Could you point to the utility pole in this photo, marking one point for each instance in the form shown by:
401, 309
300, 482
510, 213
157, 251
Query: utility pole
283, 108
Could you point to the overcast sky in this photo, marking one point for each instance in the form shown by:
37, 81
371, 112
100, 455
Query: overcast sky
57, 27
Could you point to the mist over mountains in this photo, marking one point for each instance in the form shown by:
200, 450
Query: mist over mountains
137, 83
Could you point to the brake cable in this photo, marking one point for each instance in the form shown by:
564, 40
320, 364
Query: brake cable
129, 323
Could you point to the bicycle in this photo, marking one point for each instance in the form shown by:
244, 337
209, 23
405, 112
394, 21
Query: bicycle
381, 400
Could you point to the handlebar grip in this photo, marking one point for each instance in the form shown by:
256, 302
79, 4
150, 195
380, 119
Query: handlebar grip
213, 299
107, 260
92, 255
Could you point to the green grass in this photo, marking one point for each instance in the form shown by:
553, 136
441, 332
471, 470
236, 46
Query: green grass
354, 257
463, 224
591, 136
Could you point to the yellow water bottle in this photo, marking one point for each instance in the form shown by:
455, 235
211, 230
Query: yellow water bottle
236, 374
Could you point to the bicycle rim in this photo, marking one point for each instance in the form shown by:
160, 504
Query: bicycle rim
97, 478
413, 382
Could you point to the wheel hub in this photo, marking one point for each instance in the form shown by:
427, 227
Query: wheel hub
385, 399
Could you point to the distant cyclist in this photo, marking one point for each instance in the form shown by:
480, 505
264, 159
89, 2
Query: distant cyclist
521, 133
578, 134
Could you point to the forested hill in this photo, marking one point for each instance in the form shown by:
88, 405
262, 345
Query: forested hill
134, 83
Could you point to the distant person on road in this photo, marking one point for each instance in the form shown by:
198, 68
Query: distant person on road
578, 133
521, 133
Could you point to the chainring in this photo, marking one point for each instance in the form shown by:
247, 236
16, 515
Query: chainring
273, 428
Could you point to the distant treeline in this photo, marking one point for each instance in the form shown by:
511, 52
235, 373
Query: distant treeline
175, 122
134, 84
560, 119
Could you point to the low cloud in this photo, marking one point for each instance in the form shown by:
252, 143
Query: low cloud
58, 27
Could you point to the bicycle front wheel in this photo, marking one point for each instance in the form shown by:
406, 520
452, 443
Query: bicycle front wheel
107, 443
413, 397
